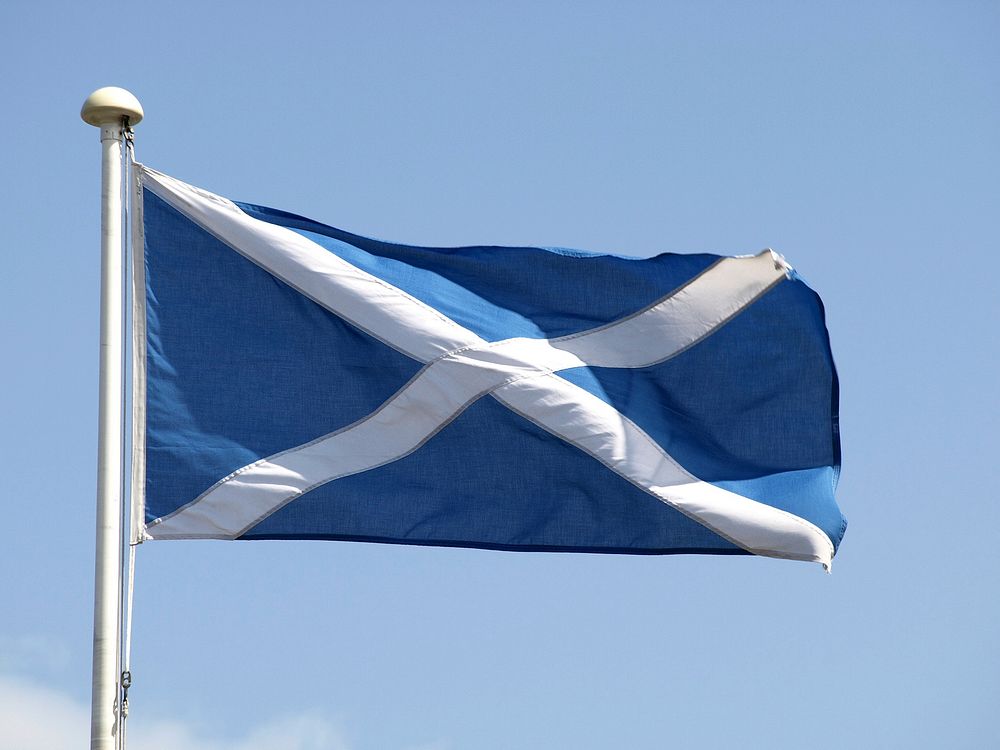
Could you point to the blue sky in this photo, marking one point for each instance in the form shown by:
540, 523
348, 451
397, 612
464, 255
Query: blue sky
859, 139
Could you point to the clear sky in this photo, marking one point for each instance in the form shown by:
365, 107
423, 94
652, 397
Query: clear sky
860, 139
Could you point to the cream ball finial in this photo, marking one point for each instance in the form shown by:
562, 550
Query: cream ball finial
109, 105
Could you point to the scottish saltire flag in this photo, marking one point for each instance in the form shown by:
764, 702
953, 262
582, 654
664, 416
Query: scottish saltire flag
295, 381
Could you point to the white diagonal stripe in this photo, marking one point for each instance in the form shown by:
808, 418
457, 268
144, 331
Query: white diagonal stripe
463, 367
386, 312
582, 419
681, 318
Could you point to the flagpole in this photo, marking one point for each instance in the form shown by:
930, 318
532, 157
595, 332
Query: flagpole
109, 109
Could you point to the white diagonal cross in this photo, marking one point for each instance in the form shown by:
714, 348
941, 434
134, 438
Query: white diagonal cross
460, 367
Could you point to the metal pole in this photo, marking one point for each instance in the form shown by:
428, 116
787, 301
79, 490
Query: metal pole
110, 109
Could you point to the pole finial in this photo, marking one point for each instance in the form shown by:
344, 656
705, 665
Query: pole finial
109, 105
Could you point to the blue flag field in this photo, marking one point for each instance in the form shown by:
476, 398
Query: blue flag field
295, 381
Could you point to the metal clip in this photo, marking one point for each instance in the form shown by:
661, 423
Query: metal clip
129, 135
126, 683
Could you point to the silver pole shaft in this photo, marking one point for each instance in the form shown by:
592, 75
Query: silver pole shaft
108, 109
109, 450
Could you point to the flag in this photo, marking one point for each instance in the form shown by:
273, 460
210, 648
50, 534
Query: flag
296, 381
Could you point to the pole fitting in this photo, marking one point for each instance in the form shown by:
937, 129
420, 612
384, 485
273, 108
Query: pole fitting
110, 107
